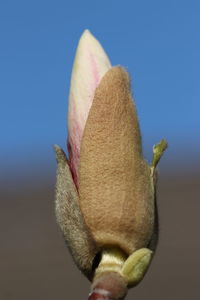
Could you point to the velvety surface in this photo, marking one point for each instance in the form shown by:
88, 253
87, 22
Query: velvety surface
35, 263
114, 178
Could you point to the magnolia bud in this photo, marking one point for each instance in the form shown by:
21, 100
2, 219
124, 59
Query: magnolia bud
105, 192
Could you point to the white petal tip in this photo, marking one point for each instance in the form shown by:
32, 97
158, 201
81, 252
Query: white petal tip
86, 35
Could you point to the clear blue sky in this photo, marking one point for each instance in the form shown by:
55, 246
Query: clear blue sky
157, 41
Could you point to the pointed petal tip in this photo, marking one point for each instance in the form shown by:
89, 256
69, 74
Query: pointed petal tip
90, 42
86, 32
87, 35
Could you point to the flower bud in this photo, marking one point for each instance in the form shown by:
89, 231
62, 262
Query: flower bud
106, 191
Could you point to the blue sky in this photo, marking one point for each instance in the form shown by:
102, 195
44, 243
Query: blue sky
157, 41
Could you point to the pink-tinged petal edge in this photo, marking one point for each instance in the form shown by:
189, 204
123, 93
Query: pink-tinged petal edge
97, 64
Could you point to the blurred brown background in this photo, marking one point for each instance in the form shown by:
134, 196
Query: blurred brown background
35, 263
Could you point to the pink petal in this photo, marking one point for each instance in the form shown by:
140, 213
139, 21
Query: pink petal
90, 65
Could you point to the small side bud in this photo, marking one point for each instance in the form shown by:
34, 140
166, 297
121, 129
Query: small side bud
136, 266
158, 151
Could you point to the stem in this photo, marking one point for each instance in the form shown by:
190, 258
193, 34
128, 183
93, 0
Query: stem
108, 286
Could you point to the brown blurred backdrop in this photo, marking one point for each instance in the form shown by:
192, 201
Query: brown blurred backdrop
35, 263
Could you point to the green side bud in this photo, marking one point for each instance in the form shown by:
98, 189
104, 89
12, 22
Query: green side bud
136, 266
158, 151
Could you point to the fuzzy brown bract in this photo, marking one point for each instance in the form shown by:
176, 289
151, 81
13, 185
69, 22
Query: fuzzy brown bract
70, 218
116, 189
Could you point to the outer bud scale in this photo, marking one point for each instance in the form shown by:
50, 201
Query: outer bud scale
116, 192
